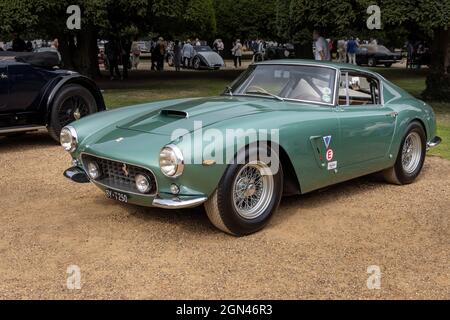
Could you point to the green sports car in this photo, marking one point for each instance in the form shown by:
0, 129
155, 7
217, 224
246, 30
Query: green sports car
282, 128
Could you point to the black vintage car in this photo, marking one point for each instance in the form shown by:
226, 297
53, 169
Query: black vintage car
374, 55
35, 94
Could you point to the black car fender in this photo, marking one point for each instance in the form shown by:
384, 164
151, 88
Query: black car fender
58, 83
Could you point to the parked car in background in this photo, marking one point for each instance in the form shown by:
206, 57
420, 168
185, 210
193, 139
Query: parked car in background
148, 155
34, 94
275, 52
374, 55
206, 58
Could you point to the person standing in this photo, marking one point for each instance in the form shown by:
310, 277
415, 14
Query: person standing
352, 47
177, 55
342, 51
18, 44
136, 54
322, 52
187, 53
237, 53
162, 46
125, 52
112, 51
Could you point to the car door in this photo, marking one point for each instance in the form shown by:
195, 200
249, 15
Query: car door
366, 125
4, 87
25, 84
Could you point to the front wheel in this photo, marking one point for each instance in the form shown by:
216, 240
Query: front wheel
197, 64
247, 195
411, 157
71, 103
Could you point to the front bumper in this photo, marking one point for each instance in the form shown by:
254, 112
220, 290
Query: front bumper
171, 202
434, 142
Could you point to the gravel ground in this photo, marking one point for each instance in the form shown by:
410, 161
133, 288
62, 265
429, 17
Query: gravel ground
317, 246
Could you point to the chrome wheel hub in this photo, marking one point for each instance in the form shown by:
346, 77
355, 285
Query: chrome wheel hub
252, 191
411, 152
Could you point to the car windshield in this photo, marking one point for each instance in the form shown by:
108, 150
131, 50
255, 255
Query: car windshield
303, 83
202, 48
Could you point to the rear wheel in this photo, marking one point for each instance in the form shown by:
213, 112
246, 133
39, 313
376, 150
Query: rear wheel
72, 103
372, 62
411, 157
247, 196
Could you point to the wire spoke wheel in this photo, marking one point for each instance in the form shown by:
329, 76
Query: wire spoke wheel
72, 109
253, 190
411, 152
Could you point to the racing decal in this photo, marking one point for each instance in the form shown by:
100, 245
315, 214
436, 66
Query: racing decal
332, 165
330, 155
327, 141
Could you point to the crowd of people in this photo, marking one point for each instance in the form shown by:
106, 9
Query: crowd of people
345, 49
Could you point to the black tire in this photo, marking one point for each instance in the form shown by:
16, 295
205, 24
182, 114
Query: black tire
71, 100
372, 62
196, 64
397, 174
388, 65
222, 211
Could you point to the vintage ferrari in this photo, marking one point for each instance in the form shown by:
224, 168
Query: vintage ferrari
285, 127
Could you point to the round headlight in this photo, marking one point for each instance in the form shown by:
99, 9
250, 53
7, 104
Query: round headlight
93, 170
142, 183
69, 139
171, 161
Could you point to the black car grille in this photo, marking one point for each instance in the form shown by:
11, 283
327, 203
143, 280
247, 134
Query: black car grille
120, 176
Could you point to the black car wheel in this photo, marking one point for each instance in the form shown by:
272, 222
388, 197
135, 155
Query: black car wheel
247, 196
411, 157
372, 62
197, 63
72, 103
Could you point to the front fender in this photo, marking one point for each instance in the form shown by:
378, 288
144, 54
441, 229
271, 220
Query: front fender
56, 84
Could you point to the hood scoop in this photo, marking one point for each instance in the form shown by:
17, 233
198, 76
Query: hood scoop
174, 114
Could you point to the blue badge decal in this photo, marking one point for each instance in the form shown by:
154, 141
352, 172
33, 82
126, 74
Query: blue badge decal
327, 141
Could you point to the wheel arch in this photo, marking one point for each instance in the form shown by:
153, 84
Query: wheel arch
83, 81
291, 183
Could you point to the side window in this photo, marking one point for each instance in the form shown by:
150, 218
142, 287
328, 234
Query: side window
358, 89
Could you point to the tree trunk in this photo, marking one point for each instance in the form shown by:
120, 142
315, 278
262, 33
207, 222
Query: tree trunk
438, 80
86, 55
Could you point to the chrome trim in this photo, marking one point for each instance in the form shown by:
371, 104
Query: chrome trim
74, 135
177, 203
434, 143
21, 129
114, 188
180, 161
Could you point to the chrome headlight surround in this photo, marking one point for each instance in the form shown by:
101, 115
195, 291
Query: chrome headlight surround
171, 161
69, 139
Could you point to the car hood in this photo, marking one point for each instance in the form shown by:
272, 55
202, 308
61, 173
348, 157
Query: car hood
188, 115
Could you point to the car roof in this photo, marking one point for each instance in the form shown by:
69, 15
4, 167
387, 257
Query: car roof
309, 62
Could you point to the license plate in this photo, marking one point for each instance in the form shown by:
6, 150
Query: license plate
118, 196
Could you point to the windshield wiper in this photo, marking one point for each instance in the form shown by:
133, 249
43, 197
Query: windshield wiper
265, 94
229, 90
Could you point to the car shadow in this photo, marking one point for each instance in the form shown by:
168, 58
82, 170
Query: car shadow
196, 221
24, 141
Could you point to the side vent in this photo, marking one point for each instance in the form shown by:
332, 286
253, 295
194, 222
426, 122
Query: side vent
174, 114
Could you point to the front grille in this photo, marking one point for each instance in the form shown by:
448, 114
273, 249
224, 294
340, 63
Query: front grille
119, 175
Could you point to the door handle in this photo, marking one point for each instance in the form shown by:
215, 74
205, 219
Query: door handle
392, 115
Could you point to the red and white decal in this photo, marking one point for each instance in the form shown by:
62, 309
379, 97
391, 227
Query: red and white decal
330, 154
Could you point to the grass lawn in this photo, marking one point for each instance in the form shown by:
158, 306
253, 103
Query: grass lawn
146, 87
